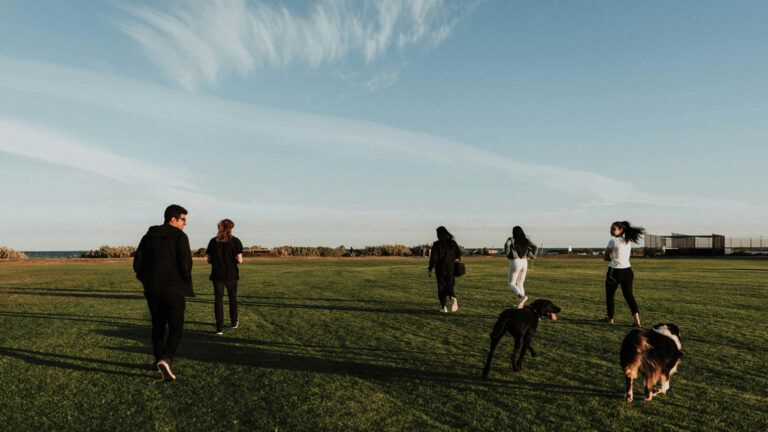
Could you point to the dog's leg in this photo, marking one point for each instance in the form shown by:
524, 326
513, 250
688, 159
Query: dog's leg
526, 347
515, 366
630, 375
529, 341
494, 341
650, 383
664, 385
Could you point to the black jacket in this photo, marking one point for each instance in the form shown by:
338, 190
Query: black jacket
441, 257
163, 261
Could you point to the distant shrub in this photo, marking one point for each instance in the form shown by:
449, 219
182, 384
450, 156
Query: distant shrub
387, 250
308, 251
200, 253
7, 253
110, 252
421, 250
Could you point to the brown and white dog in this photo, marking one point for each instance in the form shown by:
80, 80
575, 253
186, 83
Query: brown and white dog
655, 353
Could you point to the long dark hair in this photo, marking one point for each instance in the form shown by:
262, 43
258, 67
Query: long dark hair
443, 235
225, 230
630, 233
520, 242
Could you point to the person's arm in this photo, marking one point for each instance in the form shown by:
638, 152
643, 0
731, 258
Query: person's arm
458, 250
508, 247
184, 263
208, 251
608, 250
137, 258
238, 250
432, 259
532, 249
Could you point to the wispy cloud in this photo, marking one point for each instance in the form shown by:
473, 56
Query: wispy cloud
197, 42
50, 146
306, 132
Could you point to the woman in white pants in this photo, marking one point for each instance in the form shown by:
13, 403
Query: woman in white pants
517, 248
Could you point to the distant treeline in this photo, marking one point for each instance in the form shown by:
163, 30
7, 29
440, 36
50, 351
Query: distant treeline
283, 251
340, 251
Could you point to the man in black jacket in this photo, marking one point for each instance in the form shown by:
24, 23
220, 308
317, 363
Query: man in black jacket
163, 264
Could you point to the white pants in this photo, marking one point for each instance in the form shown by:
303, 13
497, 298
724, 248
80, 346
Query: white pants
518, 267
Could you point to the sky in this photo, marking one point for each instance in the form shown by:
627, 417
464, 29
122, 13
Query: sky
339, 122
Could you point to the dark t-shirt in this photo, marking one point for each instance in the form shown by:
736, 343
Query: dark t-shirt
223, 257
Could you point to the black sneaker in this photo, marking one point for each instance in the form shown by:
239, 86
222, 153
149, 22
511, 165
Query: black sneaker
164, 366
236, 324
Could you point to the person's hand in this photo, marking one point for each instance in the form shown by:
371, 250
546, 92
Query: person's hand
429, 273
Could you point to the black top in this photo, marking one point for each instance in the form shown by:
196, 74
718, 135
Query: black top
163, 261
441, 257
223, 256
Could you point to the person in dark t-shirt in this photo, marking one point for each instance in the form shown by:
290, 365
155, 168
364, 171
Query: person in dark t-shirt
225, 252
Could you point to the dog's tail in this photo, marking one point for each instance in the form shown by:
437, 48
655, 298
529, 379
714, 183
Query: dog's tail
632, 348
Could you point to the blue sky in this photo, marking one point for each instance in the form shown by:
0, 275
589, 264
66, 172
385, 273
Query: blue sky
359, 123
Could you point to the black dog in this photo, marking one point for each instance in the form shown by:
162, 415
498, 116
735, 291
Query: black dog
521, 324
655, 353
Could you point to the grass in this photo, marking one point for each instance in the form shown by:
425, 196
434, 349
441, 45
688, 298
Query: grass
358, 344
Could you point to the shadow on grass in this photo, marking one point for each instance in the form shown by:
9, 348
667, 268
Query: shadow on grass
65, 361
98, 319
208, 348
133, 291
52, 293
382, 309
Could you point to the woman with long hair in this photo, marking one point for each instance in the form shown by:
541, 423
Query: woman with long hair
518, 248
620, 273
442, 257
225, 252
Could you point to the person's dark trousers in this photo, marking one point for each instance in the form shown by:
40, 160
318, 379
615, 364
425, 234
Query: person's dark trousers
445, 284
624, 278
167, 311
218, 305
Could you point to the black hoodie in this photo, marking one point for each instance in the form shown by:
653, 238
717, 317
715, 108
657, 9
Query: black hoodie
163, 261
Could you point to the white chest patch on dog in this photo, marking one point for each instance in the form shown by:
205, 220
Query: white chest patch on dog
665, 331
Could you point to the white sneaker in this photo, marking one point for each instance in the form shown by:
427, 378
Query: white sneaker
521, 301
164, 366
455, 305
444, 309
220, 333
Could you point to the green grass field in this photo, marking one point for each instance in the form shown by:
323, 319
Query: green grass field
359, 344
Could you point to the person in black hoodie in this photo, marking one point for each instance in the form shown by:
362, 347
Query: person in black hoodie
444, 253
225, 252
163, 264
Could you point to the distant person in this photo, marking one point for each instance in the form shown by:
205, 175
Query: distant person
518, 248
444, 253
163, 264
619, 271
225, 252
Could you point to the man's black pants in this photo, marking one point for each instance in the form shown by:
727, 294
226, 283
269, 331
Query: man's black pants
167, 310
218, 305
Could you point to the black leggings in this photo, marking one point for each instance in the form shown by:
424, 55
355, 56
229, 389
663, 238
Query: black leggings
613, 279
445, 283
218, 304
